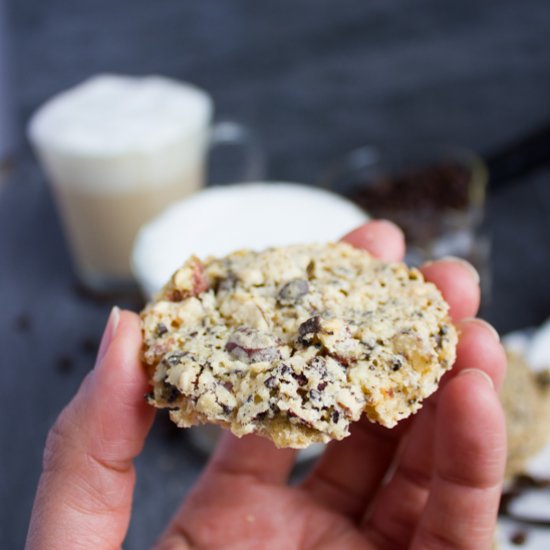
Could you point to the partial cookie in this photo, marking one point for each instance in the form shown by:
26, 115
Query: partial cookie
525, 397
296, 343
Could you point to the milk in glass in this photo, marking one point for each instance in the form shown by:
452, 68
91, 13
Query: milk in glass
117, 150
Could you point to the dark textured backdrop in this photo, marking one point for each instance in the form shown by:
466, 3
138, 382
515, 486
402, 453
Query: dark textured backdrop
315, 79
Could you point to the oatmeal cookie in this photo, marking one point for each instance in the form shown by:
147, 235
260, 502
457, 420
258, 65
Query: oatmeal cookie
525, 397
296, 343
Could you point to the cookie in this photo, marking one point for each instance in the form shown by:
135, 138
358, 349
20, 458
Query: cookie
525, 397
296, 343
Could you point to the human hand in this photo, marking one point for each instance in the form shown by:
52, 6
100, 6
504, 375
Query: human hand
447, 461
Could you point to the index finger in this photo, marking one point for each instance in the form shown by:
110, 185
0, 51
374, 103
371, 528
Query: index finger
85, 490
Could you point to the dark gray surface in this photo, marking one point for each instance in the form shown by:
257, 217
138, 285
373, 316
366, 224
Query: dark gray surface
315, 79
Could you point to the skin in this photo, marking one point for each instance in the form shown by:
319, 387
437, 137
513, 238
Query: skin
433, 482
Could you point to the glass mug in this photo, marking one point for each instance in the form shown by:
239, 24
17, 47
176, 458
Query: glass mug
434, 192
117, 150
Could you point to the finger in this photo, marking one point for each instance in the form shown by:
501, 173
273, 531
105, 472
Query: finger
390, 518
251, 466
479, 348
458, 282
350, 471
470, 452
399, 504
383, 239
252, 456
85, 490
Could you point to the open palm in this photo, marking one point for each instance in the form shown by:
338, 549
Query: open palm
432, 482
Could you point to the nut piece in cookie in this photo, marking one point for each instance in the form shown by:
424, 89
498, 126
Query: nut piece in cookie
295, 343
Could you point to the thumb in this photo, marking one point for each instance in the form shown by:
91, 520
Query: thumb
85, 491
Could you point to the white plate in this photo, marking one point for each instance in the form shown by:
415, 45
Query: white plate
219, 220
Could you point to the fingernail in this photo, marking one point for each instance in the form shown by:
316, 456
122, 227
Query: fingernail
480, 373
482, 323
389, 223
464, 263
108, 334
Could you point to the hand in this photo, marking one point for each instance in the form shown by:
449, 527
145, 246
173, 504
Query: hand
447, 461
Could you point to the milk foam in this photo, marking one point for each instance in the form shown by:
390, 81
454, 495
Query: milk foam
117, 133
111, 114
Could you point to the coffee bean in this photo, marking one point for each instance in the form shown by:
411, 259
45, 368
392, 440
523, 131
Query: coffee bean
519, 538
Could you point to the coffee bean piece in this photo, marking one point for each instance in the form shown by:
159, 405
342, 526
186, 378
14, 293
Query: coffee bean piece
519, 538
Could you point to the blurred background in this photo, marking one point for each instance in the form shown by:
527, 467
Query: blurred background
314, 80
